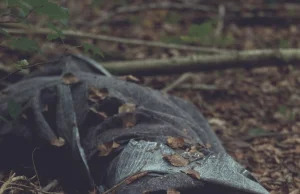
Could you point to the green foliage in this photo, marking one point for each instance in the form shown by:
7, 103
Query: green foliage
14, 109
24, 44
22, 64
95, 50
288, 114
58, 33
173, 18
283, 43
5, 33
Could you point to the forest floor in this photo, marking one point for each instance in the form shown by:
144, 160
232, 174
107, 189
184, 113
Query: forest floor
255, 112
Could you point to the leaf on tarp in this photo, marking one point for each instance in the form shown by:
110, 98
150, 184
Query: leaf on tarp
96, 94
106, 148
192, 173
176, 160
129, 119
14, 109
70, 78
127, 107
175, 142
172, 191
130, 78
59, 142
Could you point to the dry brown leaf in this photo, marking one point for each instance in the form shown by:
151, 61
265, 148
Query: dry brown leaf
127, 107
58, 142
106, 148
172, 191
96, 94
70, 78
175, 142
129, 119
130, 78
192, 173
176, 160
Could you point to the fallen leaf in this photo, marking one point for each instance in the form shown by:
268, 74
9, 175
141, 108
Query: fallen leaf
58, 142
172, 191
69, 78
175, 142
106, 148
192, 173
130, 78
96, 94
176, 160
127, 107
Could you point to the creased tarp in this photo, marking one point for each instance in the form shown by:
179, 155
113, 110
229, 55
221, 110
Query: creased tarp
158, 116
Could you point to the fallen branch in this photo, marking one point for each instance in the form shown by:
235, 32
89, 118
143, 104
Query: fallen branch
242, 59
117, 39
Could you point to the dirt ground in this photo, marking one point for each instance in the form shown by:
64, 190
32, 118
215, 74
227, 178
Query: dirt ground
255, 112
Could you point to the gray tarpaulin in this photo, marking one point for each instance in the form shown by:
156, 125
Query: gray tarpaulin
55, 112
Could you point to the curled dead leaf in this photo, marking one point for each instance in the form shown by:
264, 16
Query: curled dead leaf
106, 148
58, 142
175, 142
176, 160
96, 94
70, 78
192, 173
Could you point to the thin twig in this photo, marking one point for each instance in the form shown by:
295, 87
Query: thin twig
204, 87
127, 180
51, 185
118, 39
177, 82
34, 167
221, 20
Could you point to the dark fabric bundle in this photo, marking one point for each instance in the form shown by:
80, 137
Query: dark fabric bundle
94, 131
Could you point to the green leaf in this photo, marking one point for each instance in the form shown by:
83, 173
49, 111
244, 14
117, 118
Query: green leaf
22, 64
282, 110
202, 30
173, 18
97, 2
14, 109
95, 50
256, 132
2, 31
11, 3
24, 44
53, 11
59, 33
